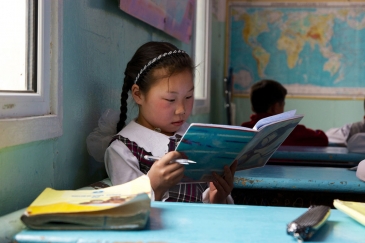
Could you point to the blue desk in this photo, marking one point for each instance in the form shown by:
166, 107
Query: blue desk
326, 156
304, 178
185, 222
296, 186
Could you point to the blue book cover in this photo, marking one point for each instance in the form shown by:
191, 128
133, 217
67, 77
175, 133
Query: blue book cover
213, 146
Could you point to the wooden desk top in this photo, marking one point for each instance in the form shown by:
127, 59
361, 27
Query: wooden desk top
190, 222
305, 178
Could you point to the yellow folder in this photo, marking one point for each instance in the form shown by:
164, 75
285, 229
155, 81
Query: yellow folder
355, 210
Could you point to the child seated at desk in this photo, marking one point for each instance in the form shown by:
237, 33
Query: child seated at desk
268, 99
160, 80
351, 135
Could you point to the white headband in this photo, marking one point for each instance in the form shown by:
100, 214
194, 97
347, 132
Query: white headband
154, 60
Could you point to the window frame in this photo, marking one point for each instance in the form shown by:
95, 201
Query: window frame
39, 115
201, 53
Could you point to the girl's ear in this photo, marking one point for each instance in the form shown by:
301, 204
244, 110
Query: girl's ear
137, 94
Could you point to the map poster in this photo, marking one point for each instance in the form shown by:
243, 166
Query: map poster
315, 49
174, 17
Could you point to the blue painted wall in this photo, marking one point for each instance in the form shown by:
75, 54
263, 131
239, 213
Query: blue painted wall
98, 41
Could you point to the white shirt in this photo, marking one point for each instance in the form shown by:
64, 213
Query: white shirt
122, 166
351, 135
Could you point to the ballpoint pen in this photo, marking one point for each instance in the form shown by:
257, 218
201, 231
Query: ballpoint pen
180, 161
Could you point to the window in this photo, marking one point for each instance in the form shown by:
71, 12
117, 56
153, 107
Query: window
13, 59
30, 83
202, 36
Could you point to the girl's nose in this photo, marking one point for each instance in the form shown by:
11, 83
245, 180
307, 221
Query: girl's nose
180, 110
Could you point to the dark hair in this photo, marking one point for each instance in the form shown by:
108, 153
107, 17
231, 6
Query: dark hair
173, 63
266, 93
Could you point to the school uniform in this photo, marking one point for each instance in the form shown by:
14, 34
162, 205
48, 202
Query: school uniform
300, 136
124, 160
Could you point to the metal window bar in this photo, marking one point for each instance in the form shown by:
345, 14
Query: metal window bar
31, 55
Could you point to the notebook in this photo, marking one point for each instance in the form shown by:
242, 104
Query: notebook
355, 210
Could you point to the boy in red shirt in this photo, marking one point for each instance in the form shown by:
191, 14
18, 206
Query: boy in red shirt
268, 99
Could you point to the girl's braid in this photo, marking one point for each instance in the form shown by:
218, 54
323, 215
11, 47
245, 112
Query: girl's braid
123, 103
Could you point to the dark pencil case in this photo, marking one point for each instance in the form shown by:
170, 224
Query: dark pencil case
309, 222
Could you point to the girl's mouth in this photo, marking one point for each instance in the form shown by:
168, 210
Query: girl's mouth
178, 123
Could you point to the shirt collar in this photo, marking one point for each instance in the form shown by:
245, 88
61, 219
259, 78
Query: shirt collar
151, 141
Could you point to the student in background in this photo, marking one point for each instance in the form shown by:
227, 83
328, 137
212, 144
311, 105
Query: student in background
351, 135
268, 99
159, 78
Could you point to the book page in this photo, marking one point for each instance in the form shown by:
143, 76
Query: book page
275, 118
265, 143
212, 147
219, 126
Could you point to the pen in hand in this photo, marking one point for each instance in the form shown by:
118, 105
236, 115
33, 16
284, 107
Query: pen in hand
180, 161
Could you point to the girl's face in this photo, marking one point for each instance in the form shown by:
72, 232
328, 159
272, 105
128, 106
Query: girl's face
168, 103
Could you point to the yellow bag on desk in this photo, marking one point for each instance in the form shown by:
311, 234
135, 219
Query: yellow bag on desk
355, 210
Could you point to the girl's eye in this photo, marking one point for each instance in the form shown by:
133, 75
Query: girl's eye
189, 97
170, 100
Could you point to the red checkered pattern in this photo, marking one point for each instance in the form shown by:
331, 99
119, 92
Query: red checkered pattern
187, 192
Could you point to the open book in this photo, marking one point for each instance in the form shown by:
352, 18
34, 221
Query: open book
125, 206
355, 210
213, 146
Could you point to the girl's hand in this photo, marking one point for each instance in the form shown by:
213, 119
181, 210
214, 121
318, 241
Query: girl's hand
222, 186
164, 174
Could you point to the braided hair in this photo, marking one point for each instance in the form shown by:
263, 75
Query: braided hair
149, 57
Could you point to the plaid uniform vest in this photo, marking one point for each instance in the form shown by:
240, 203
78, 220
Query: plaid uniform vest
186, 192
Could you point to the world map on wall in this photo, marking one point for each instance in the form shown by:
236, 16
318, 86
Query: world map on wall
312, 49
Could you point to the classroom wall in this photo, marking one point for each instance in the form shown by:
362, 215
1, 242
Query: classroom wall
318, 113
98, 40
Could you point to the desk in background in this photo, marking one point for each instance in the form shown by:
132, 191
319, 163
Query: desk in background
306, 178
296, 186
315, 156
298, 176
192, 222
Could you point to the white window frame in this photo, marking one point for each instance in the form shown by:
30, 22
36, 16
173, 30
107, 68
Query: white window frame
38, 116
202, 45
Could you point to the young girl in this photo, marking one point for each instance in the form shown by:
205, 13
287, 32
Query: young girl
160, 79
